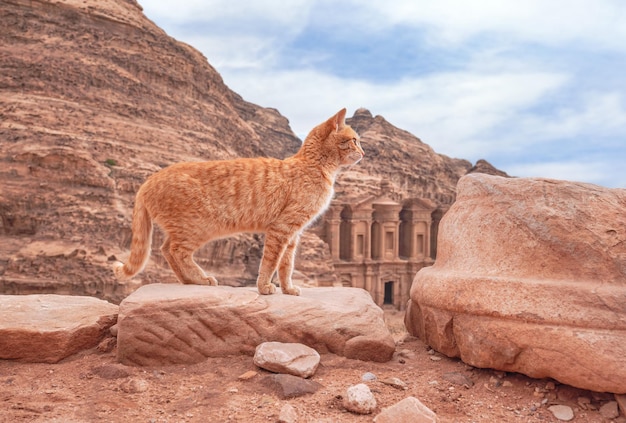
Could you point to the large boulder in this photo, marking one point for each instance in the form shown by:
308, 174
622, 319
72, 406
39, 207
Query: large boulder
530, 277
166, 323
48, 328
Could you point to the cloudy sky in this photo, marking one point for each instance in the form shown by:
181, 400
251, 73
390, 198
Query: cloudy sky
536, 87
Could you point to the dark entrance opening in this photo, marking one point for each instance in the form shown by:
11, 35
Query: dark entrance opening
388, 293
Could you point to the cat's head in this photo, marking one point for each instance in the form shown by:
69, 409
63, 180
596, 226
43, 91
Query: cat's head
338, 140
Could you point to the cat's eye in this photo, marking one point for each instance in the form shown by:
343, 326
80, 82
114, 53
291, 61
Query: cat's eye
344, 145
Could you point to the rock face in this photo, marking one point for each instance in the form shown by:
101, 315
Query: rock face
48, 328
530, 277
410, 166
95, 98
166, 324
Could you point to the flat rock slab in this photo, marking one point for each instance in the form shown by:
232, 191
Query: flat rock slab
48, 328
182, 324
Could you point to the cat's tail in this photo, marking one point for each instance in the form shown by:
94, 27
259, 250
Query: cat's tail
140, 245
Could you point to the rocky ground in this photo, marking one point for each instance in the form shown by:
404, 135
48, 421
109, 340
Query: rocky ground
92, 386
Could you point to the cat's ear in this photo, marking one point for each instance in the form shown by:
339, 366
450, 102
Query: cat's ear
336, 122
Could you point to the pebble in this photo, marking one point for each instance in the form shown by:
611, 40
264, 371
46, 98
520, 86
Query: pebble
562, 412
135, 386
359, 399
609, 410
288, 414
288, 386
291, 358
368, 377
395, 382
435, 358
247, 375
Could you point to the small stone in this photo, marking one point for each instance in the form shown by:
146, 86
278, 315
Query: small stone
135, 386
233, 390
507, 384
435, 358
291, 358
550, 386
247, 375
395, 382
288, 386
609, 410
408, 410
562, 412
359, 399
368, 377
288, 414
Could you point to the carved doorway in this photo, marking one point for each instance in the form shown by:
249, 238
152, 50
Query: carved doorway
388, 298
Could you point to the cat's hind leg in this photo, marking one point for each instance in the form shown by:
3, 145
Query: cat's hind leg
180, 258
285, 267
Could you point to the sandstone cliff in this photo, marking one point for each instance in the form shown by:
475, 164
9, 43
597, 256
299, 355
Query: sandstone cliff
94, 98
396, 156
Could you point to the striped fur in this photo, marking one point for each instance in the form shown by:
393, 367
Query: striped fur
196, 202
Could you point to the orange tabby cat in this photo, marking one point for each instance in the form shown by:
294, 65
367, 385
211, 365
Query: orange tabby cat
197, 202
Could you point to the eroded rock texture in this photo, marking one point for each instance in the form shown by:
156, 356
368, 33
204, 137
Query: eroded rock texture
530, 277
166, 323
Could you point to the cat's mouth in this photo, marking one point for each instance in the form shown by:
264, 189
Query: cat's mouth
352, 159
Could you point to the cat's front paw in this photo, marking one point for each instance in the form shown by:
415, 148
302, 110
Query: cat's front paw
266, 289
293, 290
211, 281
208, 280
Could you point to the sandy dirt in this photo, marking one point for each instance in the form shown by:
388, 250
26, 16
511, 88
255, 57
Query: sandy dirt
92, 387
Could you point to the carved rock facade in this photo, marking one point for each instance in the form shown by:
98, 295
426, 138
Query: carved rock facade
530, 277
379, 243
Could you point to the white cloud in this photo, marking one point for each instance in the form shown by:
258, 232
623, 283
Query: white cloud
594, 115
278, 12
600, 22
445, 110
519, 76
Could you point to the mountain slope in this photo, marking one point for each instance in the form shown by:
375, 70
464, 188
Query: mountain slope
94, 98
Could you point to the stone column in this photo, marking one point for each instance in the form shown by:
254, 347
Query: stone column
333, 221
